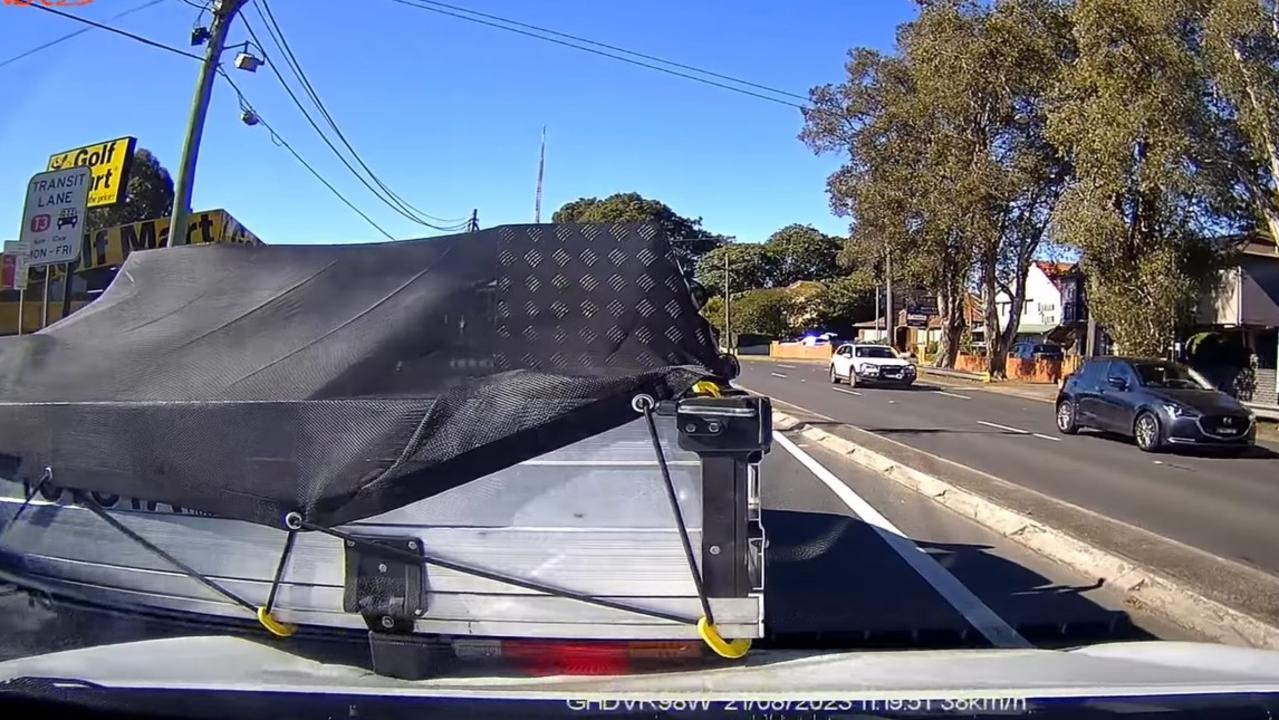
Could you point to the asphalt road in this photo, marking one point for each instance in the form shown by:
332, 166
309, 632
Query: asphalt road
895, 569
1225, 506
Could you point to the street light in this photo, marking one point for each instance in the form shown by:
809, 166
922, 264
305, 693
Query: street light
248, 62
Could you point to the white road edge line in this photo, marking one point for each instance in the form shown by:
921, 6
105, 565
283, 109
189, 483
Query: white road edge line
777, 375
951, 394
976, 612
1042, 436
1019, 431
788, 367
847, 392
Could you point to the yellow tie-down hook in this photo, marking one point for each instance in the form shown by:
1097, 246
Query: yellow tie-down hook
731, 649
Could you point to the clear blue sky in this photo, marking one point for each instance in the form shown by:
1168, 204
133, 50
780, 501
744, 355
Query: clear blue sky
449, 112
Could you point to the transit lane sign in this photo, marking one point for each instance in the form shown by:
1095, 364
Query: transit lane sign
54, 215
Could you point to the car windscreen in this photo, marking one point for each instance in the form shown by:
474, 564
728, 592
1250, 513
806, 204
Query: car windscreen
1170, 376
875, 352
1048, 350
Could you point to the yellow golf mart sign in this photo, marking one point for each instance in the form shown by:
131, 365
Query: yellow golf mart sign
110, 246
108, 163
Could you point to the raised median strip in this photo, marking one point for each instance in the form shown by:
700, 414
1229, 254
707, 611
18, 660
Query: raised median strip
1213, 597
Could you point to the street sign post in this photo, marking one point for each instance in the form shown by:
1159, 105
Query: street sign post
13, 268
53, 220
13, 273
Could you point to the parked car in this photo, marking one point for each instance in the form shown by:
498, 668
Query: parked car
1036, 351
1157, 402
860, 363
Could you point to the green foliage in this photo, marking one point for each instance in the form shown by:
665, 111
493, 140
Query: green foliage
1241, 50
947, 170
689, 240
764, 311
1152, 186
750, 265
841, 303
801, 252
148, 195
782, 312
793, 254
1133, 130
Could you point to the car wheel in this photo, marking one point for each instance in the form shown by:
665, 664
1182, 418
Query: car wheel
852, 378
834, 379
1146, 431
1066, 421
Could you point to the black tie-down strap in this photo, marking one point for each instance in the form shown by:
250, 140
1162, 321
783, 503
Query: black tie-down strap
45, 477
736, 428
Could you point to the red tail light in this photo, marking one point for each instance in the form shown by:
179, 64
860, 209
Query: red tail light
579, 657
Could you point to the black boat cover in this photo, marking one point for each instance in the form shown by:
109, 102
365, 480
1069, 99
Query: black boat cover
342, 381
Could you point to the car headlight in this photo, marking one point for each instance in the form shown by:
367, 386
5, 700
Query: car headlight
1179, 410
868, 369
909, 369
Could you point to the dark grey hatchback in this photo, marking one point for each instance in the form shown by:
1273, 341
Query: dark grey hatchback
1158, 403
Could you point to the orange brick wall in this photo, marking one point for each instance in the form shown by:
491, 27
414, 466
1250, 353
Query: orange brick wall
795, 351
1028, 371
970, 363
1033, 371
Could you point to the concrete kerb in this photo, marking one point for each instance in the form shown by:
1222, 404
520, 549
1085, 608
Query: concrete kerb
1143, 587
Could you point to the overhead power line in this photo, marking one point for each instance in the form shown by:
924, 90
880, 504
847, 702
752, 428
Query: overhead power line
77, 33
243, 102
277, 35
510, 28
100, 26
376, 191
276, 138
596, 43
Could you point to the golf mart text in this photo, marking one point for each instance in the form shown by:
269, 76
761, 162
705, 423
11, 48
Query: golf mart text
109, 164
110, 246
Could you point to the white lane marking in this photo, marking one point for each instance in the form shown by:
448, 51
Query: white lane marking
847, 392
951, 394
1019, 431
976, 612
1042, 436
788, 367
777, 375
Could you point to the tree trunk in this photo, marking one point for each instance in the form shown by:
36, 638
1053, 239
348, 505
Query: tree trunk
1266, 205
951, 308
996, 351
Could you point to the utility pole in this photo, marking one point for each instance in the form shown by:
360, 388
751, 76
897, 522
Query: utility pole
891, 320
223, 11
474, 224
728, 333
877, 309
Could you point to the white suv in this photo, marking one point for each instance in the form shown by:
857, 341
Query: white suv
870, 364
